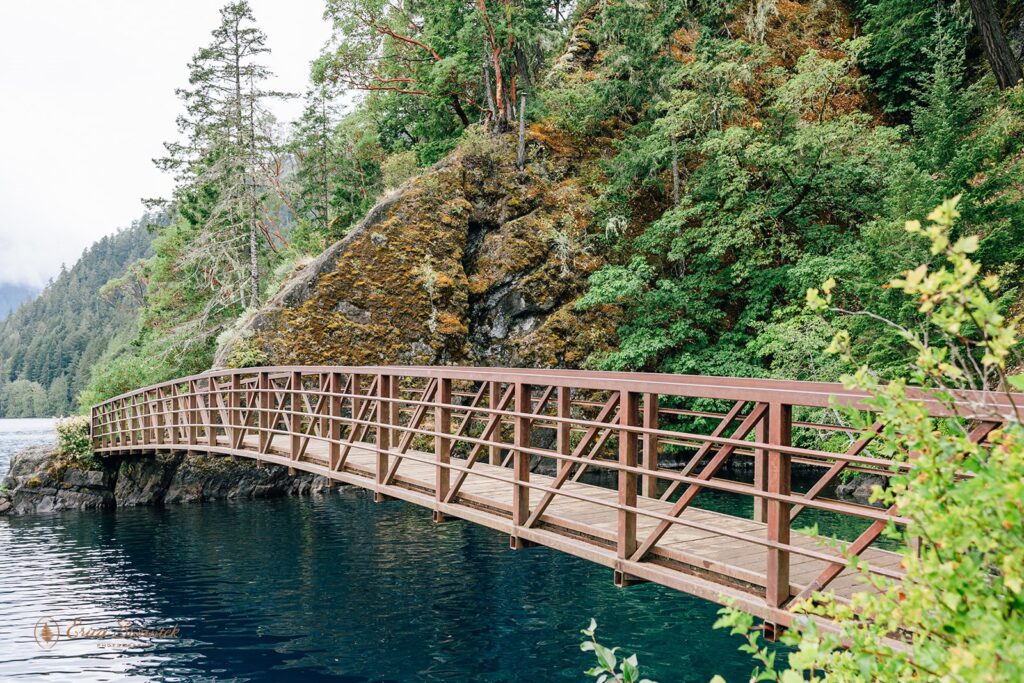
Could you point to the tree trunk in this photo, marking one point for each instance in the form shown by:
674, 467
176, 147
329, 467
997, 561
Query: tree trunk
489, 94
459, 111
675, 172
1005, 67
521, 151
254, 262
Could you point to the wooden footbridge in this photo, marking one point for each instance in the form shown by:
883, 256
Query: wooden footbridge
605, 466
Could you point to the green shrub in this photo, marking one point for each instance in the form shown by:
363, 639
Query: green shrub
246, 353
123, 373
958, 613
73, 436
74, 441
398, 168
610, 668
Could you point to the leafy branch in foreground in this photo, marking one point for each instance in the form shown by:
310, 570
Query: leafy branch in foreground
609, 667
958, 613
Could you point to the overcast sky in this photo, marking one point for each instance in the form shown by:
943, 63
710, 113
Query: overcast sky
86, 101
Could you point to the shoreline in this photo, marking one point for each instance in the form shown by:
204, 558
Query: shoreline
38, 480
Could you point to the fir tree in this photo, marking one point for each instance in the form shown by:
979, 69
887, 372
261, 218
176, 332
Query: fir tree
221, 166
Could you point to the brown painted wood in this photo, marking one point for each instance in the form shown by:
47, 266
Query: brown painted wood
521, 460
780, 425
629, 408
443, 443
650, 445
385, 391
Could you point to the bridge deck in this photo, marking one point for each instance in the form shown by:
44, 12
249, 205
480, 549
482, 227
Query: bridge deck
583, 528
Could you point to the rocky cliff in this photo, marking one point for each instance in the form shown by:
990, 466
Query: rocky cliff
41, 481
473, 262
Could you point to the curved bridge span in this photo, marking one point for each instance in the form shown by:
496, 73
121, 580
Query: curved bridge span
617, 468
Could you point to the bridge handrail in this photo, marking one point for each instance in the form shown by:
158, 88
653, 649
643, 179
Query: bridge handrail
977, 404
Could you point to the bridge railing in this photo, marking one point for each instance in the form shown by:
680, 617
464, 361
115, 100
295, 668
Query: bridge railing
662, 444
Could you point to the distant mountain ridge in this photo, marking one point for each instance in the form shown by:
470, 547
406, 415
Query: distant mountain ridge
14, 295
49, 345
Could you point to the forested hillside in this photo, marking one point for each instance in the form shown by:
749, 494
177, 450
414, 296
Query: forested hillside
48, 347
637, 185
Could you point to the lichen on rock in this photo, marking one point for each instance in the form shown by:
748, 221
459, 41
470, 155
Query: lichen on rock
473, 262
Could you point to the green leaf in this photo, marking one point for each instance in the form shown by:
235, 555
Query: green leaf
605, 656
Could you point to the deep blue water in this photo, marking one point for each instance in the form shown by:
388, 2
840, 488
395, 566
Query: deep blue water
334, 588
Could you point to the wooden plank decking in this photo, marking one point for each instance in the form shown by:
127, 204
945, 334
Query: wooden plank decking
587, 529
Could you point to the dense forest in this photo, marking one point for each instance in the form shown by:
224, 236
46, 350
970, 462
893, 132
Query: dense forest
716, 160
49, 345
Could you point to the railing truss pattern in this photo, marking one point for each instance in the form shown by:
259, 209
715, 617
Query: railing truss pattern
611, 467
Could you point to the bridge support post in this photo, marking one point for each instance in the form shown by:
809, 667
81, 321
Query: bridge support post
295, 417
172, 415
234, 414
563, 430
385, 392
334, 386
95, 440
493, 398
133, 421
521, 460
158, 417
621, 579
263, 410
211, 404
193, 414
442, 443
780, 426
356, 406
650, 446
628, 411
145, 435
761, 472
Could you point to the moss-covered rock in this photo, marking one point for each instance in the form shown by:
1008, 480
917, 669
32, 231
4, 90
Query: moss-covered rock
473, 262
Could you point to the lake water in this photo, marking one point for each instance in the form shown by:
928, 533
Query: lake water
334, 588
17, 433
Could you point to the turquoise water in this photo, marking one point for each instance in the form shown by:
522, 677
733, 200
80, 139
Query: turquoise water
332, 588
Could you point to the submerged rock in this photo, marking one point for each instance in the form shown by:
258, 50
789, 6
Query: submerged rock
40, 480
858, 488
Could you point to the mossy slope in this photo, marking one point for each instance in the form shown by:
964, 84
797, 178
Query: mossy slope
473, 262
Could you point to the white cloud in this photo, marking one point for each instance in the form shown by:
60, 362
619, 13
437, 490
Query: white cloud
86, 101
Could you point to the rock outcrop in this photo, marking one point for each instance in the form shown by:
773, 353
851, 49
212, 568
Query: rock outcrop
473, 262
40, 481
858, 488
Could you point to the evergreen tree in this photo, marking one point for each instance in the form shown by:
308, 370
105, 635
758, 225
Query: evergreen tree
338, 170
222, 165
